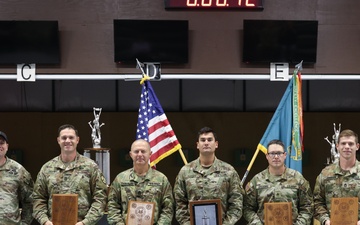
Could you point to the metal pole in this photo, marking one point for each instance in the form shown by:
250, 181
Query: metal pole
106, 165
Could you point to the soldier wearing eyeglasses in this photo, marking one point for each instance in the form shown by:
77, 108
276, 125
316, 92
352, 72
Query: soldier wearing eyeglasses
278, 183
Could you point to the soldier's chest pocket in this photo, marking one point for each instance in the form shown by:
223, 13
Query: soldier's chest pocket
209, 182
217, 181
83, 180
352, 184
289, 190
10, 186
152, 193
263, 188
332, 189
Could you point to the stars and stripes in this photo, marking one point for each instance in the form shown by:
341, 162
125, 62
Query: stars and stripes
154, 127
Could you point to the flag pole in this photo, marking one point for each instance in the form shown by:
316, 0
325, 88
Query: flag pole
183, 156
250, 165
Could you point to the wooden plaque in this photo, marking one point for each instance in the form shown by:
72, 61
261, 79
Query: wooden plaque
64, 209
278, 213
140, 213
344, 211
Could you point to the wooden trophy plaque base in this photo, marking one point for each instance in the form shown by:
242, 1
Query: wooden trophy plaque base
278, 213
140, 213
344, 211
64, 209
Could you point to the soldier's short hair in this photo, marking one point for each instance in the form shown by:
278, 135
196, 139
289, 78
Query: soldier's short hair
67, 126
348, 133
205, 130
276, 142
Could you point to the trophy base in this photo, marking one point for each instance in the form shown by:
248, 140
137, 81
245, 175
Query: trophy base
102, 158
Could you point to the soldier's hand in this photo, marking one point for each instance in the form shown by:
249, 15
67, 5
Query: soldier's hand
79, 223
358, 222
327, 222
48, 223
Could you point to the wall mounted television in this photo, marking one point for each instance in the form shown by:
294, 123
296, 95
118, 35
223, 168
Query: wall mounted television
29, 42
291, 41
164, 41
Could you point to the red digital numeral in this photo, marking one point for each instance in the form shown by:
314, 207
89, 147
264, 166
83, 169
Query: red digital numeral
224, 3
246, 3
189, 3
203, 3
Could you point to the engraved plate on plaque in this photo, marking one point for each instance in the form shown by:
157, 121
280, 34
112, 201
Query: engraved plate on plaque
344, 211
140, 213
64, 209
278, 213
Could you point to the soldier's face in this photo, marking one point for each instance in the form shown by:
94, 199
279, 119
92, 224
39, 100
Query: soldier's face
140, 153
207, 144
347, 147
3, 147
276, 156
68, 140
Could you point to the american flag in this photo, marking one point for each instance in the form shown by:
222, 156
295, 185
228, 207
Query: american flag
154, 127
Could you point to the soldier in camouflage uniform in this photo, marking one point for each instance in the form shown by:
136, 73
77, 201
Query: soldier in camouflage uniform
16, 185
278, 183
70, 173
208, 178
140, 183
340, 179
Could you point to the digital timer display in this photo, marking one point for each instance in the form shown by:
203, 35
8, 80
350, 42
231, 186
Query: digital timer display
214, 4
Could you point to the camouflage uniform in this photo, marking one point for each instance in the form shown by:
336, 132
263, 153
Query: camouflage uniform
291, 186
82, 177
154, 187
16, 186
333, 182
220, 181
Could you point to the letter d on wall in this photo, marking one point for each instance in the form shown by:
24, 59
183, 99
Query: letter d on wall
26, 72
153, 70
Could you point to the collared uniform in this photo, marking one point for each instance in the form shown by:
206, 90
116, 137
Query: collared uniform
16, 185
333, 182
220, 181
153, 187
82, 177
291, 186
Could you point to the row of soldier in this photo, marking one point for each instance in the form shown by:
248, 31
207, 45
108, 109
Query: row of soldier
202, 179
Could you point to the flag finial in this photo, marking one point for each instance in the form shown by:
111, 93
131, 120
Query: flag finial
298, 67
145, 77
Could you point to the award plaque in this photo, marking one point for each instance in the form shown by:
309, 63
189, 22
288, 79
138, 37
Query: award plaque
344, 211
205, 212
64, 209
278, 213
140, 213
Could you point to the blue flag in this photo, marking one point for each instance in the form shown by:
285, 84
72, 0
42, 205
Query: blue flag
286, 125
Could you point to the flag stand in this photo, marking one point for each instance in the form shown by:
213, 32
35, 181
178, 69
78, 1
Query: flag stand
249, 167
183, 156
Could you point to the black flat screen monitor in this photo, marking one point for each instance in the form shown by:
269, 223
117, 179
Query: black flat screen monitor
29, 42
164, 41
291, 41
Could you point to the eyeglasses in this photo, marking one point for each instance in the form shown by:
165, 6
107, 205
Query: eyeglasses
273, 154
